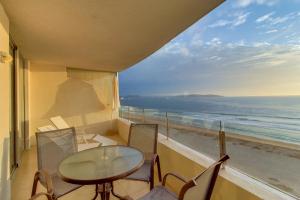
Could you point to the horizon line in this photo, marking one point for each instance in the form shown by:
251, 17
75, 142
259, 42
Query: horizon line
173, 95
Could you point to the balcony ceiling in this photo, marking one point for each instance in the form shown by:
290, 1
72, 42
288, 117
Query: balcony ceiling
107, 35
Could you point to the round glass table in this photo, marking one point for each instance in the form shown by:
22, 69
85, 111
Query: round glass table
101, 166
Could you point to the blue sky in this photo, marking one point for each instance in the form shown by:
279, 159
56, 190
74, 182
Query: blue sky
242, 48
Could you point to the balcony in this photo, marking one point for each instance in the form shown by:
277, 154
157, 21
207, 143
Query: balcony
64, 61
230, 184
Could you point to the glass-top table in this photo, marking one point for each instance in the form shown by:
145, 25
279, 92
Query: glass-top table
101, 166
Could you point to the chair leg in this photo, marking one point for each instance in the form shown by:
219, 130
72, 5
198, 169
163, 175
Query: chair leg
151, 183
151, 180
158, 169
34, 185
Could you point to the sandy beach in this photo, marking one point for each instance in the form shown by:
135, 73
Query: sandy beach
274, 163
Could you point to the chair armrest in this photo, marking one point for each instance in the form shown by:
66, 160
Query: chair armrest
174, 175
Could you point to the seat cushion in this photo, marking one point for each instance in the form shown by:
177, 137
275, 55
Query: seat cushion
143, 173
159, 193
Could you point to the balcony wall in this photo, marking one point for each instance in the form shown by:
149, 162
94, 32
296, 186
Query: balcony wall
179, 159
83, 98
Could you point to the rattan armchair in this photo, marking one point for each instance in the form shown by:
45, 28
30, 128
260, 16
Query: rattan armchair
144, 138
53, 147
199, 188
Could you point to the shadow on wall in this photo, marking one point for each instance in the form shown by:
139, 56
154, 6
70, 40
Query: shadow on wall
75, 98
4, 179
107, 127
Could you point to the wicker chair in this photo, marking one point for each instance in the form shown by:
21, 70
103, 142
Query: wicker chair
144, 138
53, 147
199, 188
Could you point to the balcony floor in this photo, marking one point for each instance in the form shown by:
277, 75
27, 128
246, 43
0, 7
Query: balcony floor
23, 179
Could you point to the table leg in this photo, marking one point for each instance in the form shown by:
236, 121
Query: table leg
96, 193
103, 190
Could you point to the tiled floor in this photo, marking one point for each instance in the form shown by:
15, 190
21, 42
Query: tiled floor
23, 179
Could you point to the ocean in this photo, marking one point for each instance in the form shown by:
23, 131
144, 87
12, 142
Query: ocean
272, 118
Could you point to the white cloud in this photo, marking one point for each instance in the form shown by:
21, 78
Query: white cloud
261, 44
278, 20
236, 44
241, 19
269, 18
245, 3
214, 42
264, 17
197, 40
272, 31
220, 23
238, 19
178, 48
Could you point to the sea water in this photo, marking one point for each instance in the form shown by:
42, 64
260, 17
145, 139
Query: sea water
273, 118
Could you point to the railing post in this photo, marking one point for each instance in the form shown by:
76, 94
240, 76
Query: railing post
128, 110
222, 141
167, 125
144, 119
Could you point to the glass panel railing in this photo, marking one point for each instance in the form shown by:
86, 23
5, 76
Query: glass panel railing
270, 155
200, 135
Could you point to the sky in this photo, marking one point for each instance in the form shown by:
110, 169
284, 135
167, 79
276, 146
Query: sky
242, 48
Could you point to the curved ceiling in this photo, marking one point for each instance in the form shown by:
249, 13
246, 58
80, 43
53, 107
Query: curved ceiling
109, 35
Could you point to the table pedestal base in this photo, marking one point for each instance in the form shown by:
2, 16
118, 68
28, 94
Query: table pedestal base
103, 190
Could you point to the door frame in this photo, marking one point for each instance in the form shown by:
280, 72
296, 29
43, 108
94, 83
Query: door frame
13, 101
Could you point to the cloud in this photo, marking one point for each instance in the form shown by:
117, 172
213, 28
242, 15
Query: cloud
175, 48
214, 68
197, 40
236, 44
271, 20
220, 23
264, 17
272, 31
261, 44
216, 58
241, 19
238, 19
214, 42
245, 3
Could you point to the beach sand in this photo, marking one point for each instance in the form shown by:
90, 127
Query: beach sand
273, 163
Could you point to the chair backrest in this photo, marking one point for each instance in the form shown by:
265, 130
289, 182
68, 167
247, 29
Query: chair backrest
201, 187
53, 147
144, 138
